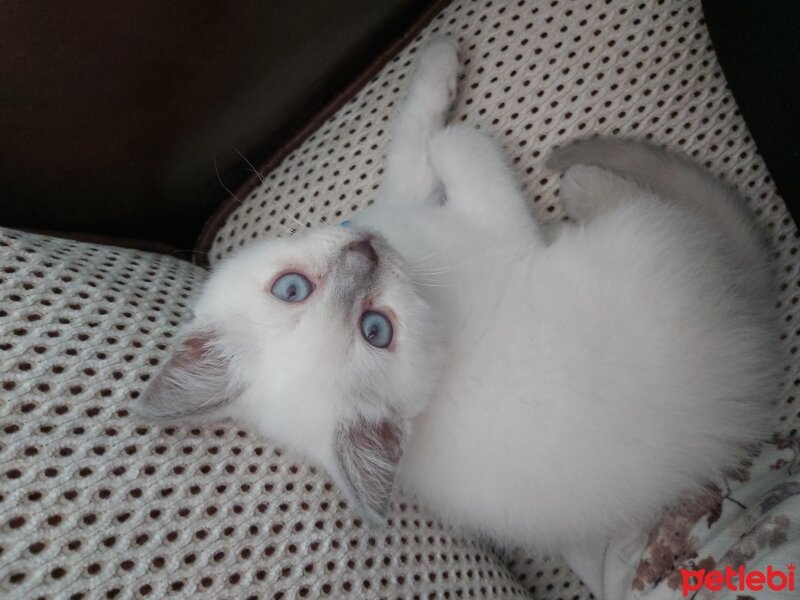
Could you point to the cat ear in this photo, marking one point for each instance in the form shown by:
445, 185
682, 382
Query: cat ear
194, 381
368, 453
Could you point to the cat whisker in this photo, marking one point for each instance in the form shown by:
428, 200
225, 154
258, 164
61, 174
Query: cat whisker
440, 269
426, 279
423, 274
298, 221
449, 269
225, 187
252, 168
423, 268
431, 272
422, 259
430, 284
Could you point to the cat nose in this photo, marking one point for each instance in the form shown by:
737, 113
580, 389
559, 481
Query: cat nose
364, 248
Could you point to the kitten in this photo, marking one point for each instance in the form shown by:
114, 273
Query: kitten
542, 394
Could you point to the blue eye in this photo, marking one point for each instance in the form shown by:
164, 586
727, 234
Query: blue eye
292, 287
376, 329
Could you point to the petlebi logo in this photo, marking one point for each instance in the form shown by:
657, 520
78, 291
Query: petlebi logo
739, 580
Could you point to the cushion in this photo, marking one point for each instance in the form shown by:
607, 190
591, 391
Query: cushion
537, 74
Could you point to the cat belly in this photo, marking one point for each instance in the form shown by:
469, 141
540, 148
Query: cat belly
585, 392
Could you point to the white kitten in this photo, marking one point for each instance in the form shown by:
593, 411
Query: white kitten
540, 394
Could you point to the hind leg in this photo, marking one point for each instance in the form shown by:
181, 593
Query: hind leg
588, 191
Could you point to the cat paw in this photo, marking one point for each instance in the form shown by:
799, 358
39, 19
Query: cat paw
464, 156
579, 191
586, 191
435, 80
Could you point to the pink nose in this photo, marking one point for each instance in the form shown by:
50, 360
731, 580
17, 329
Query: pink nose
364, 247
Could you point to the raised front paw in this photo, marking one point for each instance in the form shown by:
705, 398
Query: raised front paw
435, 81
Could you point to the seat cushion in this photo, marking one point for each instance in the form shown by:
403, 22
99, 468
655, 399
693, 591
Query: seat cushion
96, 503
537, 74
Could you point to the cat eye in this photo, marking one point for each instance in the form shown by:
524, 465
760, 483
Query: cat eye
292, 287
376, 329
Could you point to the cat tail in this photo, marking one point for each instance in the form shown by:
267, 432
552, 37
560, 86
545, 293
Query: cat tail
674, 178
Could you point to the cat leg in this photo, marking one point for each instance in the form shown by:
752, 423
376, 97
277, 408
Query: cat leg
478, 182
551, 230
410, 177
588, 191
666, 176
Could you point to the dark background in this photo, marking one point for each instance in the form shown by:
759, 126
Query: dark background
116, 117
112, 114
758, 47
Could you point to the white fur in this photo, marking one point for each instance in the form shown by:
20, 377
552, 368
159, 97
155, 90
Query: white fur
552, 394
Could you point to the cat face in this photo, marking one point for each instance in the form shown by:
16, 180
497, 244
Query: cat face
323, 342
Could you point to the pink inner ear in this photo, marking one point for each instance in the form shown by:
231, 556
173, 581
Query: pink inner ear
197, 345
194, 381
196, 355
391, 435
384, 437
368, 453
